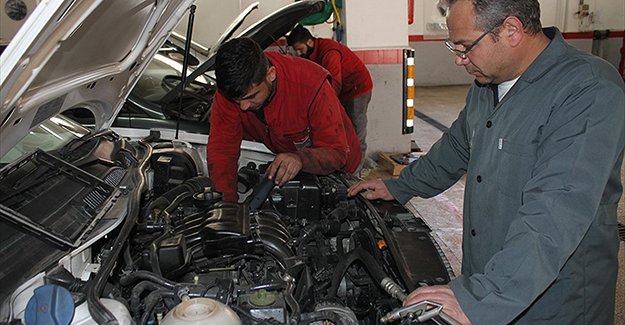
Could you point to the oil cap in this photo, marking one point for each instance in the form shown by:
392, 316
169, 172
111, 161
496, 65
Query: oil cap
50, 305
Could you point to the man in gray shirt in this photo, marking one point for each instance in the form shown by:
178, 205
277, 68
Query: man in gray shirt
541, 142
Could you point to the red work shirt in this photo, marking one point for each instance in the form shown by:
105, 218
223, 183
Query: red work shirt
304, 117
350, 77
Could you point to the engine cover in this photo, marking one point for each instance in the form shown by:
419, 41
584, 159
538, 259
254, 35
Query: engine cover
227, 229
299, 198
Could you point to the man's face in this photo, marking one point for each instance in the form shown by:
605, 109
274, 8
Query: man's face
485, 59
304, 49
259, 94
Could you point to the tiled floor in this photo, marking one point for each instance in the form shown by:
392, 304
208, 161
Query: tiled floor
442, 105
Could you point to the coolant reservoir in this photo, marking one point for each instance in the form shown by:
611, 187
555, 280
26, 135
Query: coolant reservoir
201, 311
116, 308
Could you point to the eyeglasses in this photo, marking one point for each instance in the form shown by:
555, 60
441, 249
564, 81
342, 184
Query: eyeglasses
463, 53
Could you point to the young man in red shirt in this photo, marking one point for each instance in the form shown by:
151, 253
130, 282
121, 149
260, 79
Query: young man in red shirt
284, 102
350, 78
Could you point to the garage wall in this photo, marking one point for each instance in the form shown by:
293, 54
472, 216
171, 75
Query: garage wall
435, 65
375, 24
607, 14
378, 37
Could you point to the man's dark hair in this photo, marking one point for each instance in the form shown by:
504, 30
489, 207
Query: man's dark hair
298, 34
489, 14
239, 64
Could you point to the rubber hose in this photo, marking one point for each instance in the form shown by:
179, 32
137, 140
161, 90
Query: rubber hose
137, 291
95, 288
371, 265
260, 193
146, 275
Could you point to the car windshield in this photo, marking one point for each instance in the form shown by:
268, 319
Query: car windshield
163, 74
50, 135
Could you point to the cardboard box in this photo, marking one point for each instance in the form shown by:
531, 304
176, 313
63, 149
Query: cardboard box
395, 162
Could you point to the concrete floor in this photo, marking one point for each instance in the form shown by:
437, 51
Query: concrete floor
438, 107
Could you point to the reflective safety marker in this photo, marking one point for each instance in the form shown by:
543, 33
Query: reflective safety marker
409, 89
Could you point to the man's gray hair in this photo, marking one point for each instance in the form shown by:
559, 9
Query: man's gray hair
491, 13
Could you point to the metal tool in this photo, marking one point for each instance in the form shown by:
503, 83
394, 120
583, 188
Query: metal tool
422, 311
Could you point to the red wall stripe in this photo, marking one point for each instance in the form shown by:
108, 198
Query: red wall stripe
569, 35
385, 56
588, 35
421, 38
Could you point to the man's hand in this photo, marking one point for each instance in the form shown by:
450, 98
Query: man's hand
284, 168
377, 190
443, 295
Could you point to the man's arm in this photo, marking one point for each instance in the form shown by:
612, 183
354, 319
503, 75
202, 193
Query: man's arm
330, 148
223, 147
331, 61
439, 169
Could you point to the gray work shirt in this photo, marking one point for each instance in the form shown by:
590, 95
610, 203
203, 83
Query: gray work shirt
540, 240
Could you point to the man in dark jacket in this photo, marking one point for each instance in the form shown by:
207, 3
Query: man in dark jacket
284, 102
540, 141
350, 78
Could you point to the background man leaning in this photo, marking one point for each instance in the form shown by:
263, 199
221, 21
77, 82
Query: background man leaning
350, 78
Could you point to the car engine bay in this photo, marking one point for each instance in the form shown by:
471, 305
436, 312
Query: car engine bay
131, 232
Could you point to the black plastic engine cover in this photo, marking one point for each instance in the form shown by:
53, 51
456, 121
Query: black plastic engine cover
171, 167
171, 253
417, 257
299, 198
227, 229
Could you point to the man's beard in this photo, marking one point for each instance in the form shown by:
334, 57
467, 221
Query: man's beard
309, 50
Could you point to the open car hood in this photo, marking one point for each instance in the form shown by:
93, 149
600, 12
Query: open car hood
79, 52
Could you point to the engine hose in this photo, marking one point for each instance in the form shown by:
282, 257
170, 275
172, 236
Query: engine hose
150, 302
146, 275
127, 256
96, 286
340, 213
137, 291
260, 193
175, 202
370, 264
